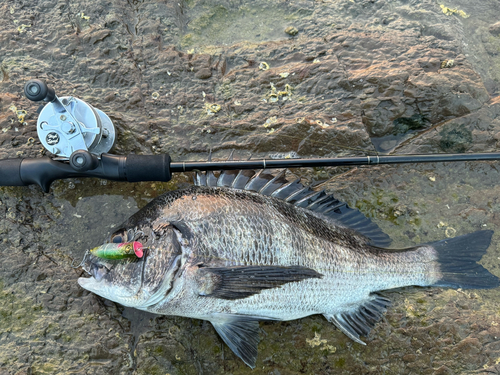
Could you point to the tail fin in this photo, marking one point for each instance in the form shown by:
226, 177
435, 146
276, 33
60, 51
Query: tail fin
457, 258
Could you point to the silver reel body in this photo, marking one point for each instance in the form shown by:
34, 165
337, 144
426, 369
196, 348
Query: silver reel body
68, 124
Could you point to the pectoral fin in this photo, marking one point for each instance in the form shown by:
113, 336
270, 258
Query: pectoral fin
240, 333
244, 281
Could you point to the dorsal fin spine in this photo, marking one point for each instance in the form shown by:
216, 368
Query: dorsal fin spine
254, 177
309, 196
285, 186
294, 194
278, 176
319, 201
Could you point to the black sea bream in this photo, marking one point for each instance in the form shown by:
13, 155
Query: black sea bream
250, 246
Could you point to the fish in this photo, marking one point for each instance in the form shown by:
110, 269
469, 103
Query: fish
249, 246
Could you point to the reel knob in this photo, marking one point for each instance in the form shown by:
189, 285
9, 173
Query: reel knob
82, 161
36, 90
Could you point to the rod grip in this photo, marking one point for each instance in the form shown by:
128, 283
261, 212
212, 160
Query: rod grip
148, 168
10, 173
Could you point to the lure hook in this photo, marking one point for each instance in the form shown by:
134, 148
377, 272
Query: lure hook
138, 234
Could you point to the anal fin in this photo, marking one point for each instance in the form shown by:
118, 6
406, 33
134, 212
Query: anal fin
359, 322
240, 333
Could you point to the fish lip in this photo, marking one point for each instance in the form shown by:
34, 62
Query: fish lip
84, 282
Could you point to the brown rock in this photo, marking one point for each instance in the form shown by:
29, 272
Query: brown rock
495, 29
203, 73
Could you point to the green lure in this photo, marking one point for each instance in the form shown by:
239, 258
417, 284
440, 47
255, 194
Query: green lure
118, 250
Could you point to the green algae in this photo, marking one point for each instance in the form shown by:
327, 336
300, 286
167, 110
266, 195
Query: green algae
455, 138
379, 203
219, 24
17, 311
339, 362
404, 125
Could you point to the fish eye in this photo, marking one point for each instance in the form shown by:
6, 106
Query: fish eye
117, 239
119, 236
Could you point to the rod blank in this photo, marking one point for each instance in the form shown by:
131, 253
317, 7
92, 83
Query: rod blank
328, 162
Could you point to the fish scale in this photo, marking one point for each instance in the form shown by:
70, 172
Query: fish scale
236, 256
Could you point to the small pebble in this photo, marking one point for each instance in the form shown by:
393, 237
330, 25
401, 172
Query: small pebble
292, 31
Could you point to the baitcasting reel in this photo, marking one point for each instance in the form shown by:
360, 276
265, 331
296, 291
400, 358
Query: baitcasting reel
68, 124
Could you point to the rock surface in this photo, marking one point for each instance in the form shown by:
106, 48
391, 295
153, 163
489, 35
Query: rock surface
360, 77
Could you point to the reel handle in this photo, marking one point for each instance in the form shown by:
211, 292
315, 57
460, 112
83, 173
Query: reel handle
37, 90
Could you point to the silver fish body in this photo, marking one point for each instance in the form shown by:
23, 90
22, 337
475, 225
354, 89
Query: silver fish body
257, 247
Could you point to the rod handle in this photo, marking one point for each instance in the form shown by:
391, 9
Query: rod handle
148, 168
10, 173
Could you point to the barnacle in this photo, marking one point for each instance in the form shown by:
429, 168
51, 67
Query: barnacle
324, 125
155, 95
447, 64
22, 27
273, 98
270, 121
450, 11
275, 95
292, 31
84, 16
20, 113
450, 232
212, 108
284, 155
263, 66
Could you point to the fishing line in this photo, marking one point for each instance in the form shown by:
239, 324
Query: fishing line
83, 260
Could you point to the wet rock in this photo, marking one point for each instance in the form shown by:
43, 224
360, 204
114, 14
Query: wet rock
203, 73
374, 67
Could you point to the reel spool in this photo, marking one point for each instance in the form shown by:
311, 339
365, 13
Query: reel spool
68, 124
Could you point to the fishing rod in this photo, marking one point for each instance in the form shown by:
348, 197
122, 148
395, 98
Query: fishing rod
80, 137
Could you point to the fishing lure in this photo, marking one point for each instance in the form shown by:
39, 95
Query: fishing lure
119, 250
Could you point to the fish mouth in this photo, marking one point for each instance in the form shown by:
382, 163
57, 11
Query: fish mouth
113, 279
91, 265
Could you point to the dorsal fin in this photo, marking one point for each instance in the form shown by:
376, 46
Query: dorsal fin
294, 192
